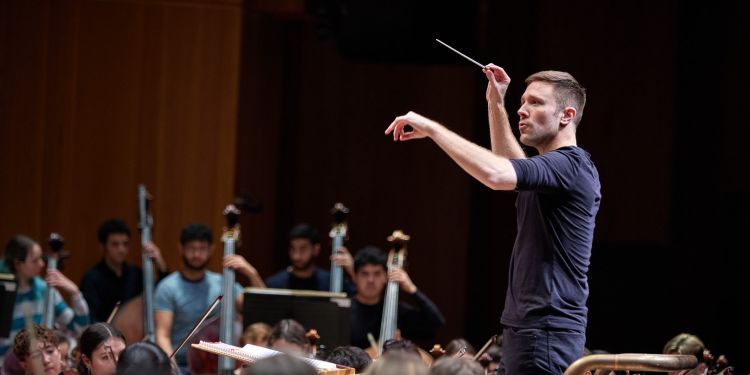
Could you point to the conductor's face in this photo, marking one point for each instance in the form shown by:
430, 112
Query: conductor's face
371, 280
302, 253
539, 115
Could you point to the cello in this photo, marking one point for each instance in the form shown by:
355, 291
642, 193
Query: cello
224, 327
338, 235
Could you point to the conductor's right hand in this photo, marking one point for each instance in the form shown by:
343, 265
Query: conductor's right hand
497, 83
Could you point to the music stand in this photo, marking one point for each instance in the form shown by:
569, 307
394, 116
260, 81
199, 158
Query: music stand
8, 288
328, 313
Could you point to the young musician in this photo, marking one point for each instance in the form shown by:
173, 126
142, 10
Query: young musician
100, 347
371, 277
144, 358
302, 273
113, 279
40, 358
23, 257
289, 336
182, 297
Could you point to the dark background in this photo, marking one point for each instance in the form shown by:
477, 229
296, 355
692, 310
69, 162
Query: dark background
287, 100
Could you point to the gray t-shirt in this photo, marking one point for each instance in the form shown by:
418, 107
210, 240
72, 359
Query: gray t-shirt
188, 300
558, 199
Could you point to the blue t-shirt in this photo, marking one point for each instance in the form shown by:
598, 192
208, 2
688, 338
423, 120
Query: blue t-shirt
558, 198
188, 300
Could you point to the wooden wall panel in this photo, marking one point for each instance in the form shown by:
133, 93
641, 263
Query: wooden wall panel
99, 96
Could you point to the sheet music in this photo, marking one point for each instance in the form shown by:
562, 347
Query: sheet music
252, 353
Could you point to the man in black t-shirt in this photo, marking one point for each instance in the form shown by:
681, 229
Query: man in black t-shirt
302, 273
417, 323
113, 279
545, 310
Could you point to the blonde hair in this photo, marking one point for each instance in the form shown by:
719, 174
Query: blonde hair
685, 343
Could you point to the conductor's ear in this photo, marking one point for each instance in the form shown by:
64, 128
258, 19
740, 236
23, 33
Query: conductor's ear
568, 114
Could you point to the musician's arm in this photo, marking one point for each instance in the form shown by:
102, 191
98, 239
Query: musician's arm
429, 309
239, 264
163, 323
239, 298
422, 321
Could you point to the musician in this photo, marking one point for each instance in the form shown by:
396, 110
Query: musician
256, 334
558, 198
99, 348
279, 365
688, 344
302, 273
63, 346
45, 351
289, 336
182, 297
350, 356
458, 344
398, 362
144, 358
371, 276
113, 278
450, 365
23, 257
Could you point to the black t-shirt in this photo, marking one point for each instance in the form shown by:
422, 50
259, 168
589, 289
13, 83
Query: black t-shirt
320, 280
558, 199
102, 288
418, 324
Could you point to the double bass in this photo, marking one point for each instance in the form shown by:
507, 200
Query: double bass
230, 237
396, 257
223, 327
389, 322
145, 223
338, 235
135, 319
56, 243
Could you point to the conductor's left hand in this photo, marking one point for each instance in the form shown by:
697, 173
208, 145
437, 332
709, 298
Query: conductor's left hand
419, 127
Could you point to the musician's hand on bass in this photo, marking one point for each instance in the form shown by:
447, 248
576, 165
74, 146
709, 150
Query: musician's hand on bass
56, 279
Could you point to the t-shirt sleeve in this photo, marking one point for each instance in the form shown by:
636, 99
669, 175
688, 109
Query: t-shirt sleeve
163, 300
553, 171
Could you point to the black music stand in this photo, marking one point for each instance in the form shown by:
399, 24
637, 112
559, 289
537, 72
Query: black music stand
8, 288
328, 313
